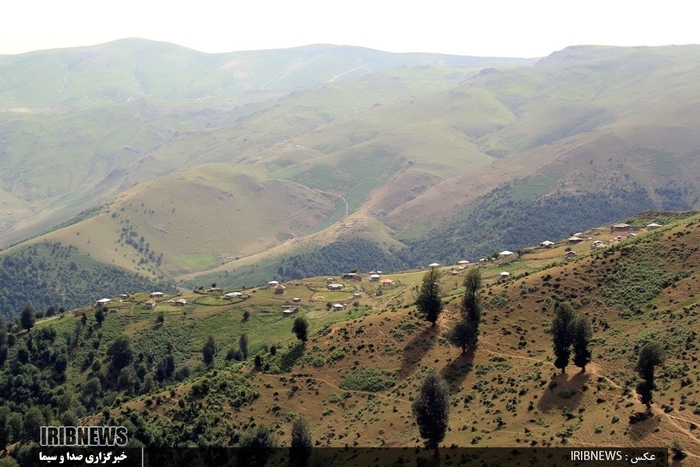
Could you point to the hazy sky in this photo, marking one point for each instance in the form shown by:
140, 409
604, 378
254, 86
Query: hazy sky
484, 28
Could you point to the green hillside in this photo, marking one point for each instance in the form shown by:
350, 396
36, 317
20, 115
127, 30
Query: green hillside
426, 158
355, 377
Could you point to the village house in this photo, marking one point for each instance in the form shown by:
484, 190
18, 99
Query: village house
180, 302
338, 307
387, 282
272, 284
103, 301
280, 289
231, 295
374, 277
546, 244
290, 311
569, 254
654, 226
505, 275
574, 240
156, 294
150, 304
296, 299
353, 276
214, 289
620, 227
335, 286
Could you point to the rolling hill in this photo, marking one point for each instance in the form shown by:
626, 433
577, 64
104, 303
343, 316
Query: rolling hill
415, 158
355, 379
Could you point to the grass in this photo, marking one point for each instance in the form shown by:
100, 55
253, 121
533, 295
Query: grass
359, 371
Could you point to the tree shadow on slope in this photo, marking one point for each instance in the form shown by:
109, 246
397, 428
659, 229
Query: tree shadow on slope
289, 359
563, 393
457, 370
416, 349
642, 424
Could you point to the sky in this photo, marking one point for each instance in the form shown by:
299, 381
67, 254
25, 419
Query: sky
498, 28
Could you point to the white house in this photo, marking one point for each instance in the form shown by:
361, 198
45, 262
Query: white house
654, 226
505, 275
338, 307
103, 302
374, 277
433, 265
505, 253
335, 286
272, 284
547, 244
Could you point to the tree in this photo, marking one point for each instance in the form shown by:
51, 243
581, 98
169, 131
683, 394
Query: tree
27, 318
4, 347
243, 345
301, 328
100, 315
651, 355
161, 318
301, 442
561, 334
259, 442
209, 350
121, 352
429, 302
259, 437
463, 335
126, 380
432, 409
33, 422
581, 334
246, 315
471, 302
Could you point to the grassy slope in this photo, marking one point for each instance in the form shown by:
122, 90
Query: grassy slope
197, 219
511, 368
409, 149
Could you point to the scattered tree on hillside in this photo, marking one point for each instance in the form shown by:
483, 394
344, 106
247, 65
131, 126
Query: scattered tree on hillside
243, 345
121, 352
561, 334
581, 334
432, 409
246, 315
651, 355
301, 443
161, 318
259, 443
209, 350
463, 335
301, 329
100, 314
429, 302
27, 318
471, 302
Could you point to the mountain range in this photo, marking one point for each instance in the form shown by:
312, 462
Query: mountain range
236, 168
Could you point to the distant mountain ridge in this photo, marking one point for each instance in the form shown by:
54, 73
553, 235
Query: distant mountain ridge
136, 68
228, 165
